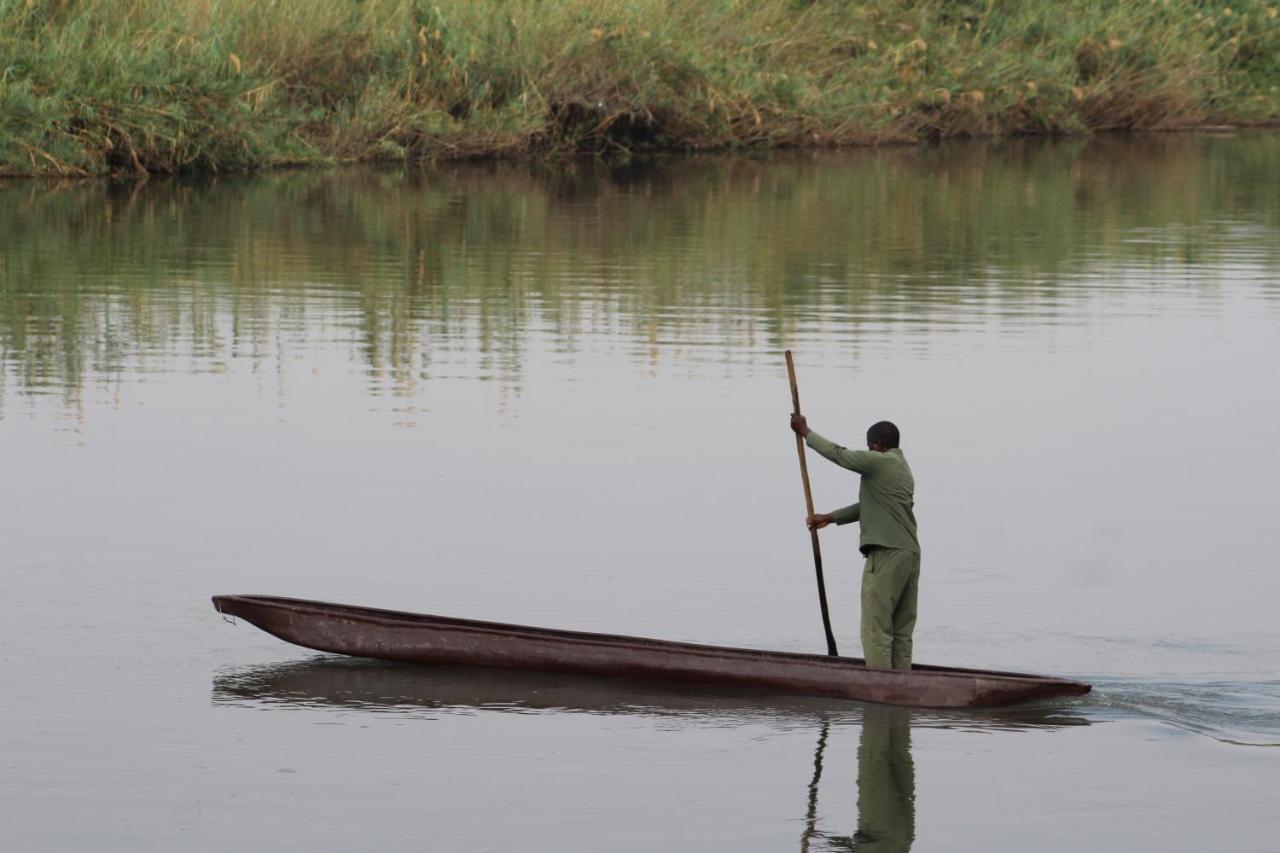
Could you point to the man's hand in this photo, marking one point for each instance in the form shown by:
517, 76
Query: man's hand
820, 520
800, 425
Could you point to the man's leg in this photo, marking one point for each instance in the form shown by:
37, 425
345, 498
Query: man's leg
882, 583
904, 615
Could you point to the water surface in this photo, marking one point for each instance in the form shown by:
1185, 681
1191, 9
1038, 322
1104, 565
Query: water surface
557, 397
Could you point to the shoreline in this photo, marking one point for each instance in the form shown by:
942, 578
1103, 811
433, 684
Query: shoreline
649, 155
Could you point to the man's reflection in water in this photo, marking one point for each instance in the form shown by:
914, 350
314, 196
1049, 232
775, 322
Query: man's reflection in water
886, 782
886, 786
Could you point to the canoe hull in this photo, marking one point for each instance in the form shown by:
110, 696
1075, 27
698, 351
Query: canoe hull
418, 638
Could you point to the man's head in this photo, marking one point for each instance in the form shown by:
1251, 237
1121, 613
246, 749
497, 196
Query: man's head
882, 436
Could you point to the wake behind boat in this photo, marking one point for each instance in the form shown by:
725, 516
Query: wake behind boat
418, 638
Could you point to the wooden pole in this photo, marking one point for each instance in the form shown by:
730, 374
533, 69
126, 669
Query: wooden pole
808, 504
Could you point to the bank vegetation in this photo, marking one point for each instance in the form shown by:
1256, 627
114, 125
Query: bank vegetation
118, 86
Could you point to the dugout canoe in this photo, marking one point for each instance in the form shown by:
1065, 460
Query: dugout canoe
418, 638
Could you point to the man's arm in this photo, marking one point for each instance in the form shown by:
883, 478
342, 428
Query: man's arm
862, 461
847, 514
840, 516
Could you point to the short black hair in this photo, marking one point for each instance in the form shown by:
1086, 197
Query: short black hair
884, 434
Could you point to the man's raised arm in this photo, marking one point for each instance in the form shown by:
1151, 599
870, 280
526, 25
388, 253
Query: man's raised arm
862, 461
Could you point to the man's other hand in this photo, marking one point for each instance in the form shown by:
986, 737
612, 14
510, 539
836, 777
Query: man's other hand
800, 425
820, 520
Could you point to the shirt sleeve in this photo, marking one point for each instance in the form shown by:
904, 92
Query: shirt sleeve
862, 461
844, 515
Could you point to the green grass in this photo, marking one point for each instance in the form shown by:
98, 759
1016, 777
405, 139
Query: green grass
109, 86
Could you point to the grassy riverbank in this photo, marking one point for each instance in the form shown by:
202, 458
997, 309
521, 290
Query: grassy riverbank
100, 86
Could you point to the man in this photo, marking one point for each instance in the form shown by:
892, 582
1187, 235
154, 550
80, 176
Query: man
885, 511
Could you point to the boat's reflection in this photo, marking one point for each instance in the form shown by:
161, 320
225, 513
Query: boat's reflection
409, 689
886, 770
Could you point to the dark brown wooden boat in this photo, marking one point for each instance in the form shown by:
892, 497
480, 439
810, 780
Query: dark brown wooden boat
416, 638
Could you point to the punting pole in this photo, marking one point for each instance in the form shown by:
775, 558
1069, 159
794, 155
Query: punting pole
808, 503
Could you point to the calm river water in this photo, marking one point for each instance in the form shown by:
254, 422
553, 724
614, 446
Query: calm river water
558, 398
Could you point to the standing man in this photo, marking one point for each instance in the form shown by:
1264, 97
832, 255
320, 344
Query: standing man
886, 512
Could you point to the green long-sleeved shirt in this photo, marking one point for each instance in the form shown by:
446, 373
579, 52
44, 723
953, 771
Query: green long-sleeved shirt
886, 497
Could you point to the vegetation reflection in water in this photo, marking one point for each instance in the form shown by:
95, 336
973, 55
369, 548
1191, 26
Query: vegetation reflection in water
885, 818
402, 271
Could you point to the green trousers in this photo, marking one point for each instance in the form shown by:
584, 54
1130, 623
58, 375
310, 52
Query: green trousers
890, 582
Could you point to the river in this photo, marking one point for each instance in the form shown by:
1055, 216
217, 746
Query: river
556, 396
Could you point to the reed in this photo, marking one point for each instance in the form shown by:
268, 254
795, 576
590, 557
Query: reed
110, 86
